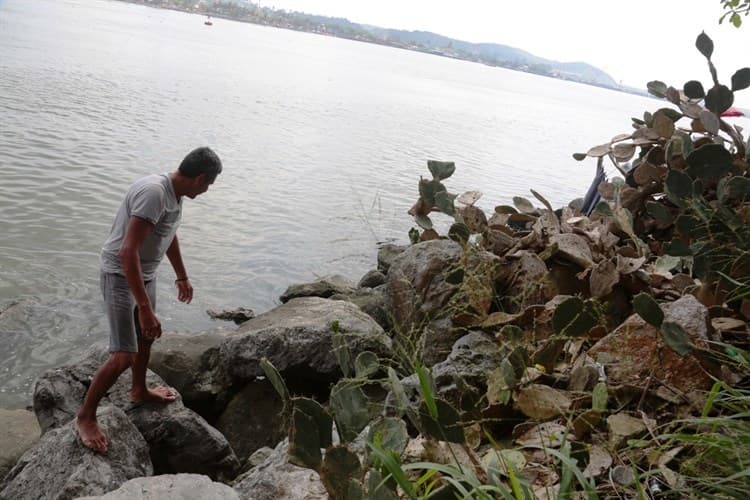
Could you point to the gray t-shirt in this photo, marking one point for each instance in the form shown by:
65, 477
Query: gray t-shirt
151, 198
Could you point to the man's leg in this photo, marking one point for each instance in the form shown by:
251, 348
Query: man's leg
140, 391
104, 378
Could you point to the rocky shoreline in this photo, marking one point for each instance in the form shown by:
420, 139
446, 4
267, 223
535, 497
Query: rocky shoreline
505, 374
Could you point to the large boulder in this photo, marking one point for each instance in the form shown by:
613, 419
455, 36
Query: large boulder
437, 339
180, 440
190, 364
462, 378
421, 281
170, 487
276, 478
19, 430
59, 467
296, 338
631, 353
322, 287
372, 301
252, 420
387, 253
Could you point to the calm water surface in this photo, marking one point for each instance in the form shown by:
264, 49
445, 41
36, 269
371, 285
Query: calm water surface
323, 142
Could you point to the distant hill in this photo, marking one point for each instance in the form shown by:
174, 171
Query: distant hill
487, 53
501, 55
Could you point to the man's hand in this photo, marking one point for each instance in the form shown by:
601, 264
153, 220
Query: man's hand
150, 325
184, 291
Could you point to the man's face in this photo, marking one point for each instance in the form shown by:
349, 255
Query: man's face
200, 185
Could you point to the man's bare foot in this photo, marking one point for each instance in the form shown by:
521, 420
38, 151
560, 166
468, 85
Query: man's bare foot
159, 394
90, 434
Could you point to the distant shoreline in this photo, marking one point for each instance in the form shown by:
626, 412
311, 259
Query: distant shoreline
342, 28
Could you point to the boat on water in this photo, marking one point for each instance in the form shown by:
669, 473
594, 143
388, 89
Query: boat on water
208, 21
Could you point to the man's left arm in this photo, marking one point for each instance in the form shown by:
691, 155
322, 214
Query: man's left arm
184, 288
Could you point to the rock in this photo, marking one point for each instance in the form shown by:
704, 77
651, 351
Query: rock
583, 377
462, 378
59, 467
387, 254
252, 419
190, 364
276, 478
296, 338
421, 280
630, 353
180, 440
471, 303
372, 279
19, 430
372, 301
170, 487
526, 281
323, 287
691, 315
436, 342
573, 248
623, 475
259, 456
623, 427
239, 315
541, 402
599, 462
547, 434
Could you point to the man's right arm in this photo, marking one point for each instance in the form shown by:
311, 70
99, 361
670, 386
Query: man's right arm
137, 231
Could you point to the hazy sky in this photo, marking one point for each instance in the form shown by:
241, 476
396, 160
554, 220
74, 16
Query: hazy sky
634, 41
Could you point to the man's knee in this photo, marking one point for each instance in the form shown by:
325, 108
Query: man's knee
121, 360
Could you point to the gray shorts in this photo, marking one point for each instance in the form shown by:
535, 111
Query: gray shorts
122, 312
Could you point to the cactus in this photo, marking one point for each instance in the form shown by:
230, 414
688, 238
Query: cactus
377, 488
389, 434
304, 440
445, 426
366, 364
340, 472
350, 407
574, 317
276, 381
341, 351
647, 308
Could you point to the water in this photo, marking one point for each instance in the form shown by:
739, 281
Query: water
323, 141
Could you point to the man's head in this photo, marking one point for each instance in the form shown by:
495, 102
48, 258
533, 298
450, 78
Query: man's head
200, 168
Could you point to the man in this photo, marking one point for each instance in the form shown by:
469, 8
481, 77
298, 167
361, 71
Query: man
144, 230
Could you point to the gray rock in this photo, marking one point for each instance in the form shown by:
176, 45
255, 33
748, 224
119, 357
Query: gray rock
323, 287
276, 478
252, 419
689, 313
190, 364
372, 301
259, 456
386, 255
526, 281
297, 336
59, 467
180, 440
19, 430
541, 402
463, 376
422, 280
473, 356
622, 427
170, 487
239, 315
372, 279
583, 377
436, 342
